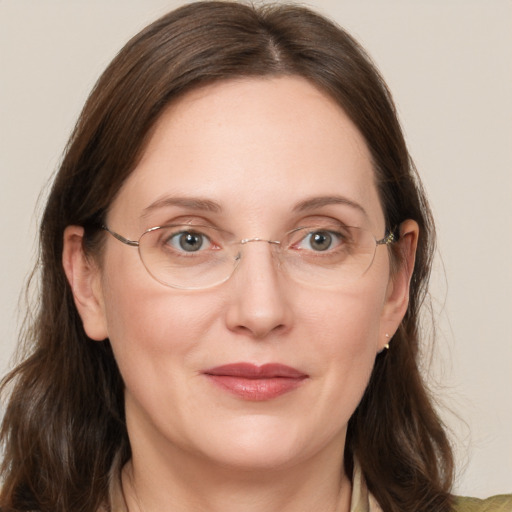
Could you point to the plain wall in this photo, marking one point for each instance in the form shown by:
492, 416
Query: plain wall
449, 65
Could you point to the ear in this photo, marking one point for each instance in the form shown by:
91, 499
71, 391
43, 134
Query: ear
83, 276
397, 295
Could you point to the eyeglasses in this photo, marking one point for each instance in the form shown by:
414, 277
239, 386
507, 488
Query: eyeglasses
189, 257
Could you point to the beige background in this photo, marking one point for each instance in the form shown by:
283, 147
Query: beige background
449, 64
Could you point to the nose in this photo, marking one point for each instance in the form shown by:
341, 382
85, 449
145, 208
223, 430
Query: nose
258, 303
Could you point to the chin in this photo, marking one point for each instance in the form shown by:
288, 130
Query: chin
263, 443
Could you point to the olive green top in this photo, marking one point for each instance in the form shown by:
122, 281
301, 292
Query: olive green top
502, 503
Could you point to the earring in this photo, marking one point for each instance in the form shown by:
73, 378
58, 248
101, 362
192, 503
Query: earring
386, 346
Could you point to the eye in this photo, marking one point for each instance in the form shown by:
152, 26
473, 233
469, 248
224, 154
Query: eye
189, 241
320, 240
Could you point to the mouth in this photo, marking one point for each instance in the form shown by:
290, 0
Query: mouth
256, 383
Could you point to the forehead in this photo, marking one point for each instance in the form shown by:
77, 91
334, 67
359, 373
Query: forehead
255, 147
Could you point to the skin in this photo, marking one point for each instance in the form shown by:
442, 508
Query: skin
257, 148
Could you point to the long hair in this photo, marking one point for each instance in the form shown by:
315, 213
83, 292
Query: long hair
64, 423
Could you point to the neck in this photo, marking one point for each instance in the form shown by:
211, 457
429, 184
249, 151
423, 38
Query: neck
193, 485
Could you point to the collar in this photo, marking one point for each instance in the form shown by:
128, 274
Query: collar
362, 500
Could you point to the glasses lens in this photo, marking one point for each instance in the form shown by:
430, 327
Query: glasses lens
328, 256
186, 256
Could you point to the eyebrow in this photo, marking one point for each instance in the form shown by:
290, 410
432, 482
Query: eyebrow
197, 203
192, 203
318, 202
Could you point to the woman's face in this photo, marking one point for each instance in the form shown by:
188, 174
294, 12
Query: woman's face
257, 158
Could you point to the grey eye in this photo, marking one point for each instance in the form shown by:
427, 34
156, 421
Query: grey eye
320, 240
188, 241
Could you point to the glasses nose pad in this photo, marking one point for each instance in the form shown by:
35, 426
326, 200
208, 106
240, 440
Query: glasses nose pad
236, 262
276, 253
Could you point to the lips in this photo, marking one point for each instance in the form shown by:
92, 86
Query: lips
256, 383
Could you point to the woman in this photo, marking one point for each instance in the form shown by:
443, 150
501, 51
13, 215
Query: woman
234, 255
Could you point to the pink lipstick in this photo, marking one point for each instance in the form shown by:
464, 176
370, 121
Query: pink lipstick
257, 383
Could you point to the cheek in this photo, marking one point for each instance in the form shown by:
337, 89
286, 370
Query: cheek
345, 332
346, 322
153, 329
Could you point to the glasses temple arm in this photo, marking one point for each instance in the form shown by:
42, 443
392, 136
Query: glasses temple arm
120, 237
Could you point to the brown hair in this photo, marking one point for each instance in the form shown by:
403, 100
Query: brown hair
64, 422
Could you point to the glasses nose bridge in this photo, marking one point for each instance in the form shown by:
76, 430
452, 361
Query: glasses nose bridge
266, 263
246, 241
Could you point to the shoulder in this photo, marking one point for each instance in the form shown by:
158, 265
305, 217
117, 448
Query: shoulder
502, 503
